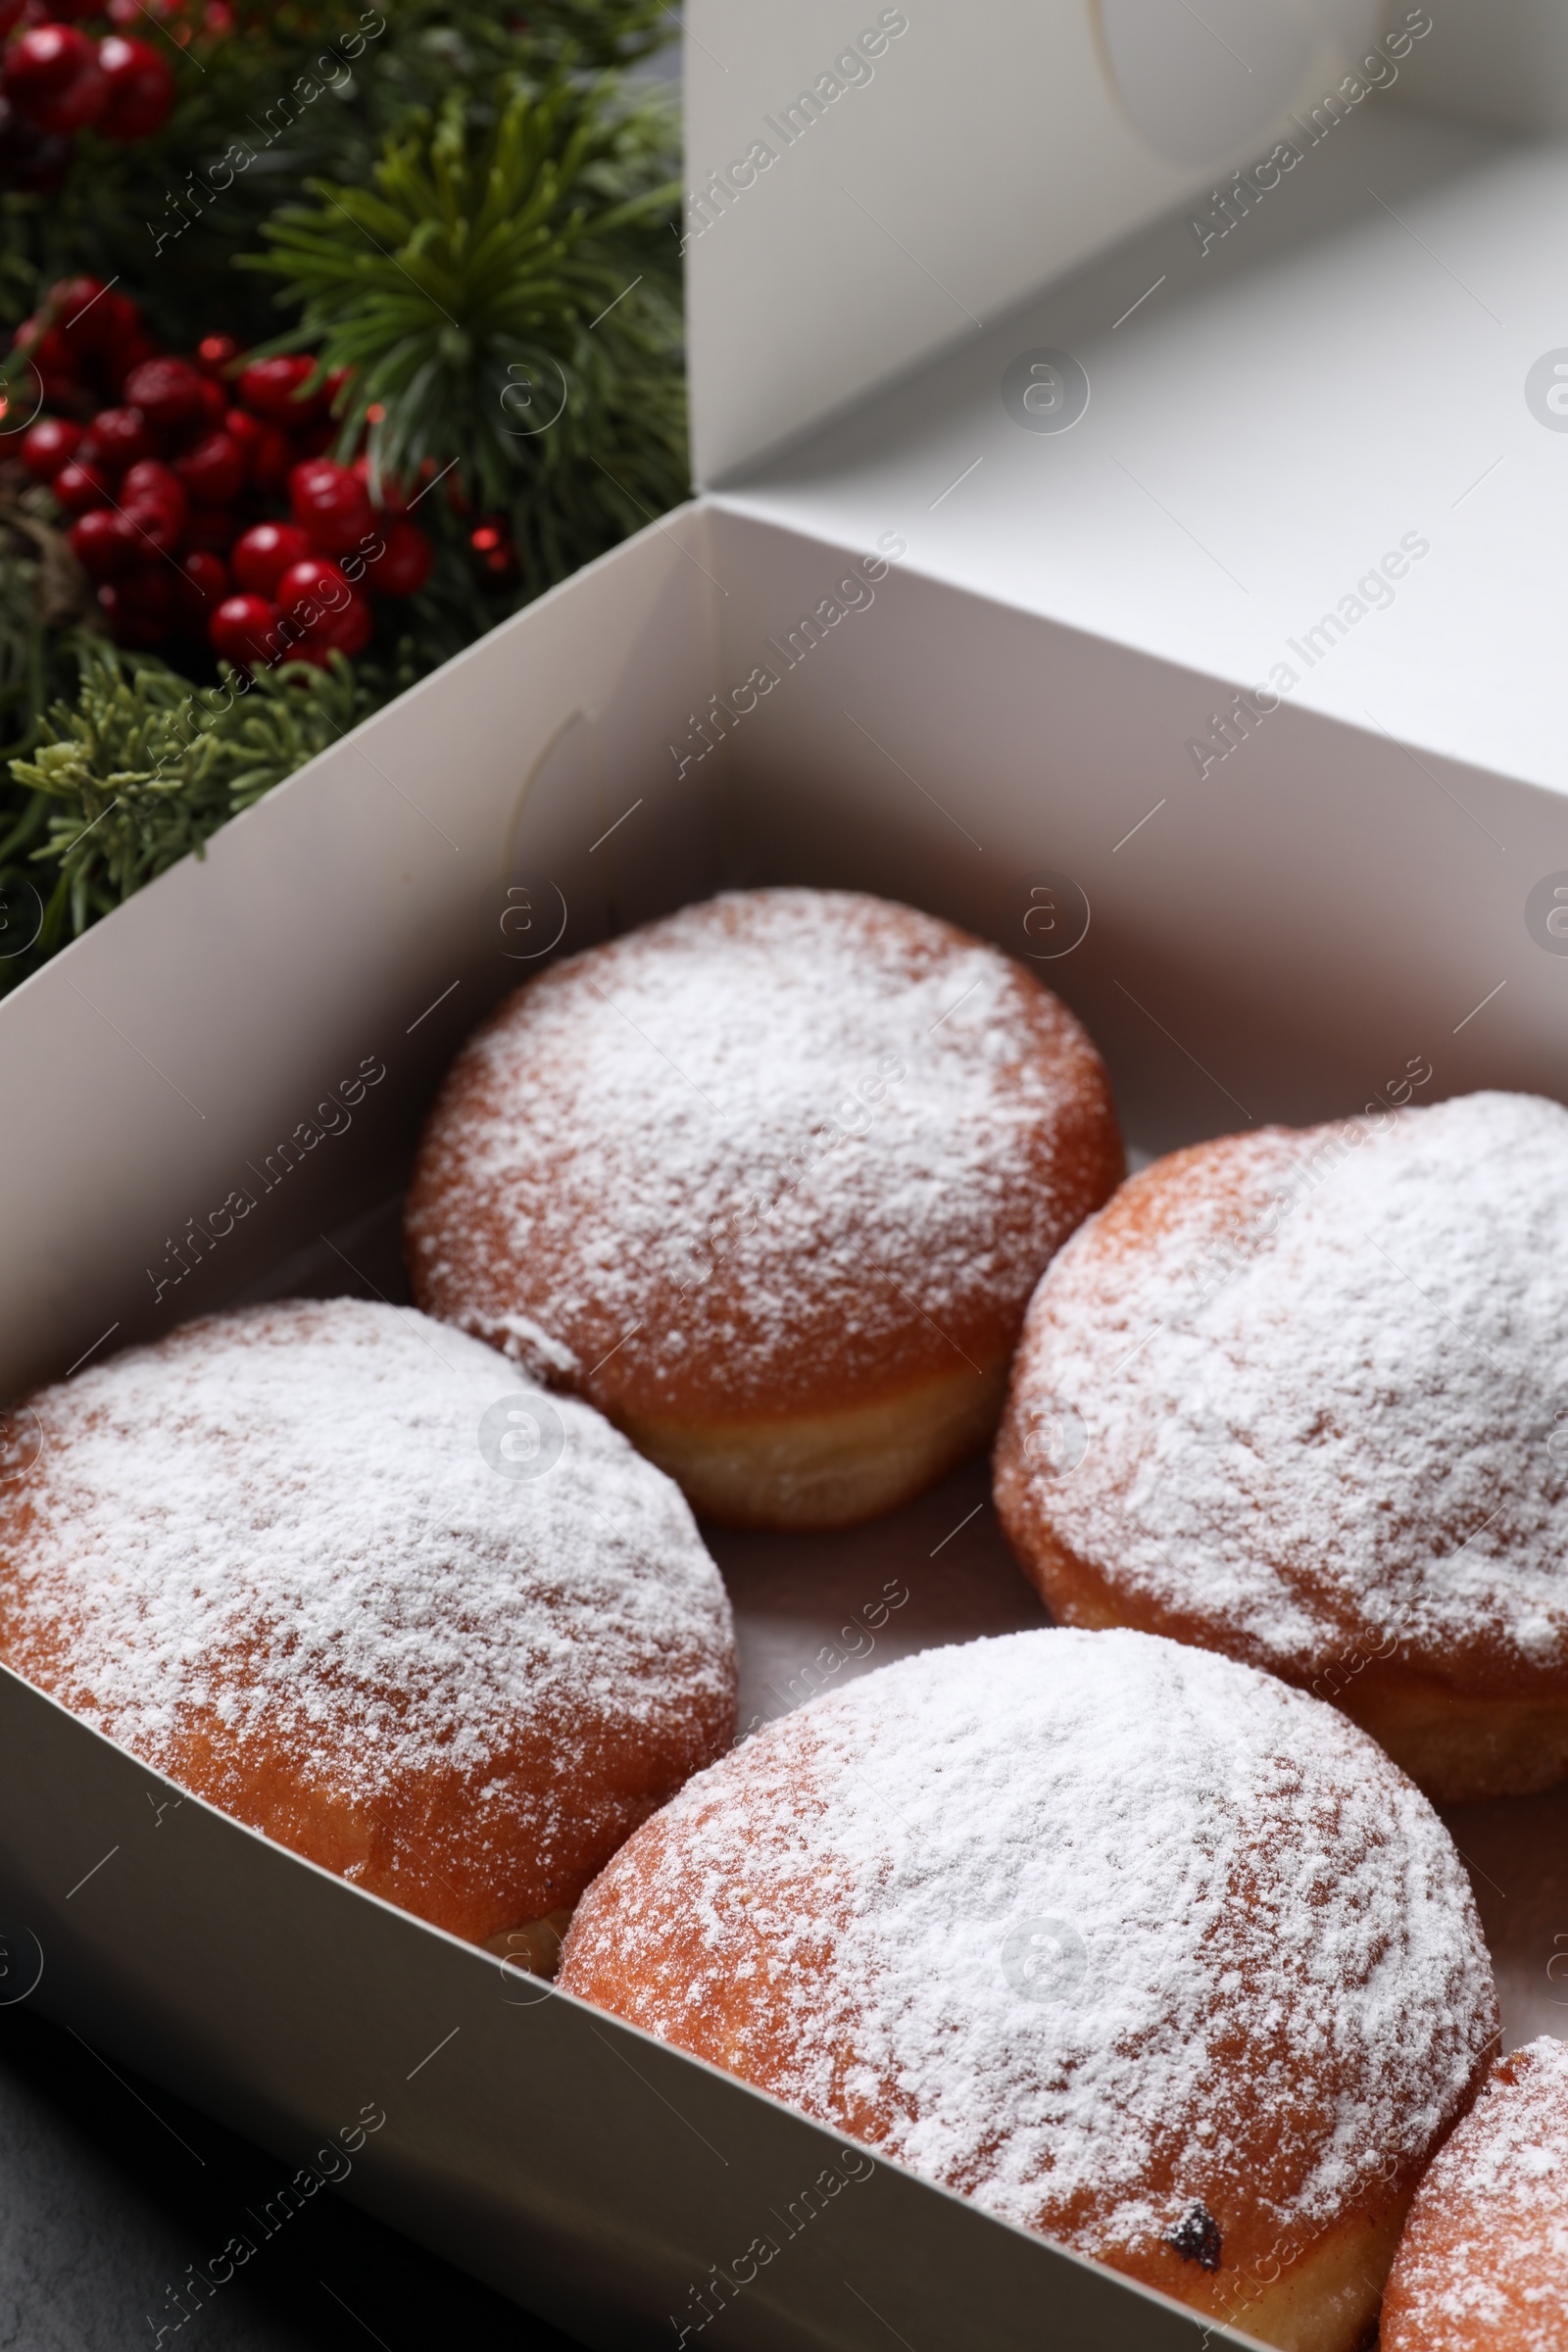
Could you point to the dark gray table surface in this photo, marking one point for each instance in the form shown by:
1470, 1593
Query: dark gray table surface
109, 2188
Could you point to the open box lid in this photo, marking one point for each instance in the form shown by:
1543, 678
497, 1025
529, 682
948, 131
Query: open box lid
1308, 433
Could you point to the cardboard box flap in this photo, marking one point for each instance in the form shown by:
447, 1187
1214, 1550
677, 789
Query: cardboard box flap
1304, 442
864, 191
1501, 63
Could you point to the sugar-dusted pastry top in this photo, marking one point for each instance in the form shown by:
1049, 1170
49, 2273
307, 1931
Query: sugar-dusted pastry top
270, 1556
1092, 1927
760, 1155
1482, 2266
1318, 1383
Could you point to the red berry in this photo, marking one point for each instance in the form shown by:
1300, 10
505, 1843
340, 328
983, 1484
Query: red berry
202, 587
169, 392
404, 564
215, 405
494, 549
115, 439
264, 552
69, 294
79, 488
86, 319
215, 353
214, 471
209, 573
271, 460
241, 426
352, 631
154, 497
141, 88
123, 323
52, 77
48, 445
268, 388
45, 346
331, 504
243, 629
129, 356
159, 529
316, 600
140, 606
104, 543
312, 579
392, 499
152, 478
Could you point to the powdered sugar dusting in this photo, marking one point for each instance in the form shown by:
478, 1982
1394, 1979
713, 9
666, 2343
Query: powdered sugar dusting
1275, 1987
784, 1134
282, 1518
1319, 1374
1485, 2255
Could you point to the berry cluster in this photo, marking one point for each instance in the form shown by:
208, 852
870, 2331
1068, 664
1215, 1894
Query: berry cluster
56, 80
172, 471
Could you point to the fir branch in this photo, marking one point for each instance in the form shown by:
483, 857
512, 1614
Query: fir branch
42, 591
240, 93
491, 266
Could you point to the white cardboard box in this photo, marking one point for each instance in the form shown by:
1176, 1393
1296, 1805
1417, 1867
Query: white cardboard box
992, 711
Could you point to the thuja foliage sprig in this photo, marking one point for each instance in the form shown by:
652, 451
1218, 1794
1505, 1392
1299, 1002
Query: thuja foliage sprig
141, 767
500, 258
42, 591
43, 601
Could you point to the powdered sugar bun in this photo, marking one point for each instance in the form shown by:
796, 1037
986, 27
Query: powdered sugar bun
1483, 2264
1317, 1385
269, 1558
769, 1183
1138, 1947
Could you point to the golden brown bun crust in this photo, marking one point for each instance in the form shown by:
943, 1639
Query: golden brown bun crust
785, 1152
1459, 1746
835, 1469
828, 1912
1483, 2264
1310, 2287
1277, 1448
268, 1557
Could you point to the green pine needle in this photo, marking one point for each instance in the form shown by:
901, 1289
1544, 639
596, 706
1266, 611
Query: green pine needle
492, 266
